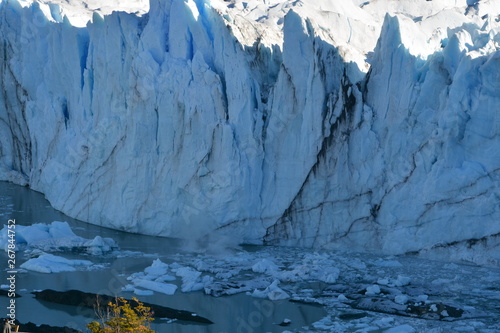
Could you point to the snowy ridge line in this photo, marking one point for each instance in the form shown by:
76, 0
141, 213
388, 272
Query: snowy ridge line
202, 120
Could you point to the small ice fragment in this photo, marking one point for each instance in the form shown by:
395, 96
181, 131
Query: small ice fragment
48, 263
286, 322
402, 281
401, 329
384, 281
441, 281
342, 298
384, 322
372, 290
329, 274
401, 299
433, 308
422, 298
157, 268
265, 266
444, 313
128, 287
142, 292
273, 292
388, 263
164, 288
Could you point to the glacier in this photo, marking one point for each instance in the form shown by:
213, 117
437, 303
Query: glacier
371, 125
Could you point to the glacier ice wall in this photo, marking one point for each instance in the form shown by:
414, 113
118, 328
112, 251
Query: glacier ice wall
416, 163
189, 122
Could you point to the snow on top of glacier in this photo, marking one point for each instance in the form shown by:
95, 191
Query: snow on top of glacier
79, 12
355, 26
352, 26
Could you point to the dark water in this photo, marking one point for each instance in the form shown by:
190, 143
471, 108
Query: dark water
238, 313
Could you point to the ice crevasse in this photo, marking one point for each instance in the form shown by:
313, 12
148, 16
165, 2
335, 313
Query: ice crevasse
368, 126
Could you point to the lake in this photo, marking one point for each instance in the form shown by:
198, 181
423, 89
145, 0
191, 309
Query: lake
229, 313
359, 292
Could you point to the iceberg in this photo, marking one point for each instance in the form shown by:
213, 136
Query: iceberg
369, 125
55, 237
273, 292
49, 263
152, 279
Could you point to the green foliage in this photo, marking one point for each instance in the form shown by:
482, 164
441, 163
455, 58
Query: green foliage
121, 317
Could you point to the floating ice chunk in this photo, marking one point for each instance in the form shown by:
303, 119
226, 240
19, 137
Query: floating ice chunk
48, 263
56, 236
402, 281
327, 324
128, 287
441, 281
265, 266
153, 278
342, 298
401, 299
286, 322
384, 322
451, 266
191, 279
165, 278
273, 292
158, 268
388, 263
357, 263
142, 292
372, 290
259, 293
329, 274
299, 273
384, 281
312, 267
99, 245
422, 298
401, 329
164, 288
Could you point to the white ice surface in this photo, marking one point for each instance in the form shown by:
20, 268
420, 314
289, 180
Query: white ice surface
412, 281
272, 292
56, 236
153, 279
401, 329
49, 263
80, 12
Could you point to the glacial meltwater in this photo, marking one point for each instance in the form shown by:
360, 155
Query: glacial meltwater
245, 289
109, 276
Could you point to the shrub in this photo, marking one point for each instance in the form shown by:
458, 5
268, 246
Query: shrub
121, 317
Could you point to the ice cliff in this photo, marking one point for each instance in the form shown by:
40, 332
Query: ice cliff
340, 124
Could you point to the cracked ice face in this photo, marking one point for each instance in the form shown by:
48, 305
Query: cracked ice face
326, 124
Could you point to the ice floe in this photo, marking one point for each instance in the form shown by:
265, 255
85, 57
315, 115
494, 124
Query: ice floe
56, 236
49, 263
